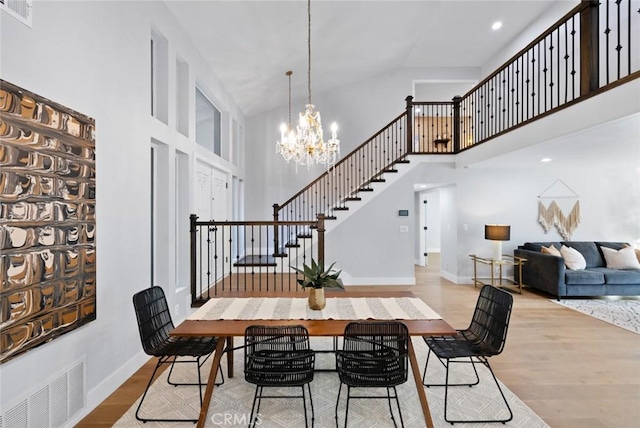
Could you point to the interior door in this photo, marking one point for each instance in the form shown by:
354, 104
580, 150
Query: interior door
212, 204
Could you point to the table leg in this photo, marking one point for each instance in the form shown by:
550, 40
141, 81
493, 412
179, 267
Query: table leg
211, 383
418, 379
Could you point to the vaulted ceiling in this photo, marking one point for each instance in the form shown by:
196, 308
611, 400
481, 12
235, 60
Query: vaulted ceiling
251, 44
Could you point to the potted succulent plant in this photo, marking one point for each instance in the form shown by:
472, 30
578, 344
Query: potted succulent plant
316, 278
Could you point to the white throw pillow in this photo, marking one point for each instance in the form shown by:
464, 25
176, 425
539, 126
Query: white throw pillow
572, 258
621, 259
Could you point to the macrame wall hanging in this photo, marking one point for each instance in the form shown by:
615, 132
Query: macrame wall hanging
552, 215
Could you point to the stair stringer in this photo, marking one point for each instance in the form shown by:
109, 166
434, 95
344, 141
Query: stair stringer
378, 188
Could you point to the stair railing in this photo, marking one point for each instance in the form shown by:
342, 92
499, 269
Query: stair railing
353, 174
230, 257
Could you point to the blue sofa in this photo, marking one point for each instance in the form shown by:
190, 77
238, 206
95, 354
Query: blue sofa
548, 273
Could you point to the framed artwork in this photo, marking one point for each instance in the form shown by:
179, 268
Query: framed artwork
47, 220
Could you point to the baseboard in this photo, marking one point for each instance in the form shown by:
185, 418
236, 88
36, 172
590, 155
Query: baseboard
379, 281
100, 393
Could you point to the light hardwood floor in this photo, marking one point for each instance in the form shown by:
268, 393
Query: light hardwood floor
571, 369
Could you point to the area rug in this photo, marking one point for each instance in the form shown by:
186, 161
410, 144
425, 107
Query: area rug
623, 313
231, 403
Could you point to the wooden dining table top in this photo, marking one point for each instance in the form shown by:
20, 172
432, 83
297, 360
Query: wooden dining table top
317, 327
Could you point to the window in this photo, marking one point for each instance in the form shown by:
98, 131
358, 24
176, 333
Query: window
208, 124
159, 76
182, 97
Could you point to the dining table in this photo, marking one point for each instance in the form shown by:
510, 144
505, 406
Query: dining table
225, 318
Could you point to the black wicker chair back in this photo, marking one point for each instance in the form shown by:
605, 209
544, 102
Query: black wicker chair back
490, 320
154, 325
484, 338
374, 355
278, 356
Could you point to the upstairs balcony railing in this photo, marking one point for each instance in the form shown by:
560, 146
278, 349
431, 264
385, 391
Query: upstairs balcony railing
591, 49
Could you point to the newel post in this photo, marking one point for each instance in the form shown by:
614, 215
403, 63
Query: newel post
409, 101
456, 123
589, 48
193, 250
276, 232
321, 238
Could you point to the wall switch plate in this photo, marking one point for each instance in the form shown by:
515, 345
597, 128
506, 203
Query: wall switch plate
404, 229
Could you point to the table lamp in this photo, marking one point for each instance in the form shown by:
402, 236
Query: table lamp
497, 233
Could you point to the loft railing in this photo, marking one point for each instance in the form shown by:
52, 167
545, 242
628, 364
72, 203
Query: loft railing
591, 49
234, 256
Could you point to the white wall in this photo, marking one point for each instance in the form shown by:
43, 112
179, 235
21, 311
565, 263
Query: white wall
93, 57
370, 248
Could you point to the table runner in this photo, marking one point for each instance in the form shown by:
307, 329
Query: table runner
338, 308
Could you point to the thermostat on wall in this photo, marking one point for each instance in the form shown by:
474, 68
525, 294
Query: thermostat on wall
403, 213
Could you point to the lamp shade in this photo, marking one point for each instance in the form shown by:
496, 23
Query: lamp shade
497, 232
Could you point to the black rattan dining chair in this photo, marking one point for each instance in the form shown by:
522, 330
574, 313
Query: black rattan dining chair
278, 356
374, 355
154, 325
484, 338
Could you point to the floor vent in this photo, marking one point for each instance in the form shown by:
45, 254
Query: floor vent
19, 9
50, 405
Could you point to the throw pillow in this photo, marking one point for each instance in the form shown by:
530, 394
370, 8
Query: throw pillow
551, 250
624, 258
572, 258
637, 251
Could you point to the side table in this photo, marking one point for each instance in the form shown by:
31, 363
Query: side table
498, 280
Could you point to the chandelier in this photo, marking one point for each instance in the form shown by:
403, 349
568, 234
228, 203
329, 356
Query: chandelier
306, 146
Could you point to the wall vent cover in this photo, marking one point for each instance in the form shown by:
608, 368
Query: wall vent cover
19, 9
52, 404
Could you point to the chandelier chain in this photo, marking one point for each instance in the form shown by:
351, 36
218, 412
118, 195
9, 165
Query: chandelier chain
289, 73
305, 144
309, 48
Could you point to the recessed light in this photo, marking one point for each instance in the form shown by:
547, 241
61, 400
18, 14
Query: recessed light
496, 25
545, 160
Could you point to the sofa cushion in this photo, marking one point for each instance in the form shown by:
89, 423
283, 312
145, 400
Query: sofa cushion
589, 251
619, 276
624, 258
613, 245
583, 277
537, 246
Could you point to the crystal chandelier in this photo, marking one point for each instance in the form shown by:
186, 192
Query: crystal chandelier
307, 146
